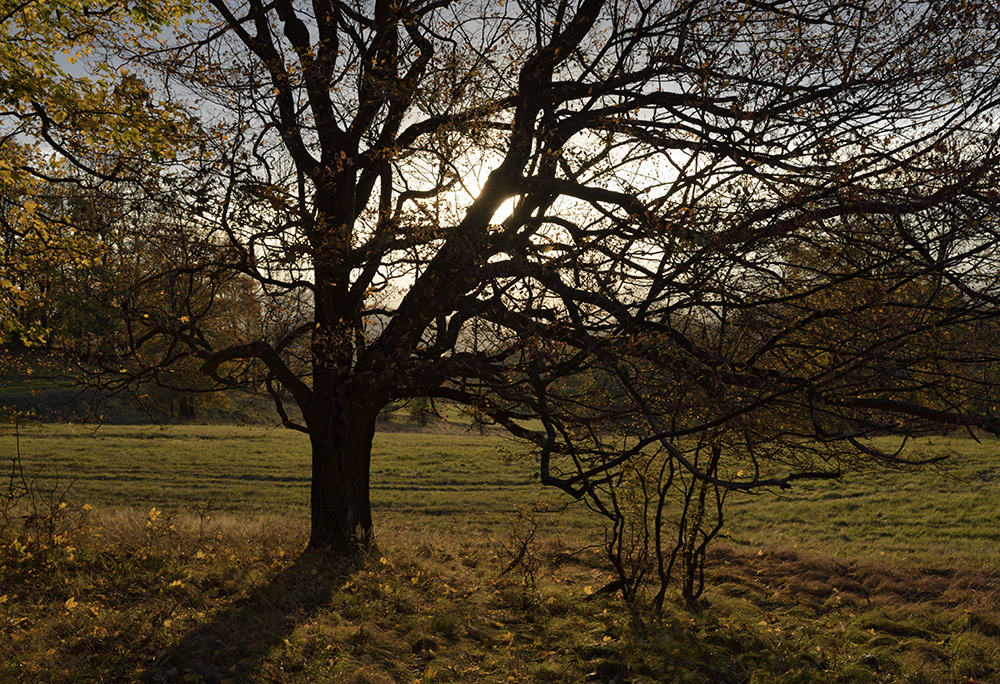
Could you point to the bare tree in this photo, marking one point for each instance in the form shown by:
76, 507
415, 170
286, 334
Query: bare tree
759, 228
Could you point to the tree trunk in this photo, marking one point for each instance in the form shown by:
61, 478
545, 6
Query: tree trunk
345, 400
341, 458
185, 407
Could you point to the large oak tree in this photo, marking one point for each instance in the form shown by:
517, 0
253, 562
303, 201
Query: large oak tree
657, 219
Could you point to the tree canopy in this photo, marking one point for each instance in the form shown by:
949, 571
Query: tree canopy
62, 121
763, 230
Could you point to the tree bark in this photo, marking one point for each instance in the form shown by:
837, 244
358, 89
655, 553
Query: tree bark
341, 460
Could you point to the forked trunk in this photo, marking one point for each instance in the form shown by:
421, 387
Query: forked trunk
341, 458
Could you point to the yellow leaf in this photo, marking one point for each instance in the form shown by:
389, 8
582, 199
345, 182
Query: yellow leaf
71, 603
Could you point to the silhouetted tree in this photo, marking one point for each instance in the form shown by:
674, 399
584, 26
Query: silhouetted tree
761, 229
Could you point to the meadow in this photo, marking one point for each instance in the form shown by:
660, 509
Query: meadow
163, 555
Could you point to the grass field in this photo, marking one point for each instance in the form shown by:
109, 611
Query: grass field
450, 477
177, 557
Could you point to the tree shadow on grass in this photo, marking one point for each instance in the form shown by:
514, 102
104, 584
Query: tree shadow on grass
232, 645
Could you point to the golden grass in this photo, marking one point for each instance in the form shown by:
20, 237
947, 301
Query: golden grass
195, 592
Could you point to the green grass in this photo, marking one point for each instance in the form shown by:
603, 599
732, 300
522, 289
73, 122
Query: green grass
448, 475
177, 558
923, 514
913, 513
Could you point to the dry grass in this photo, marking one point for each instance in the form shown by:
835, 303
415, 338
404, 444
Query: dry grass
144, 597
133, 597
223, 593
